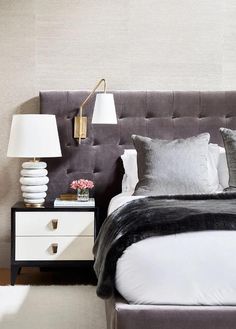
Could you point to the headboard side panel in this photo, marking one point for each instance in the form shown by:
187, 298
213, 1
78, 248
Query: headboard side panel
166, 115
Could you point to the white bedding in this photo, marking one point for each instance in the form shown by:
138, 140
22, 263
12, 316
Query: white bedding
187, 269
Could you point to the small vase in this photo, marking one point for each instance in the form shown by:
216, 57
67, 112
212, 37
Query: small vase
83, 195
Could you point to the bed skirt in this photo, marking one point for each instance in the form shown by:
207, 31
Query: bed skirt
121, 315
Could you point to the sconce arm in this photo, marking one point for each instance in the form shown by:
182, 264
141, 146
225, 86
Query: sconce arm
82, 105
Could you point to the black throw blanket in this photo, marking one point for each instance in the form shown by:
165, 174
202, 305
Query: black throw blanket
157, 216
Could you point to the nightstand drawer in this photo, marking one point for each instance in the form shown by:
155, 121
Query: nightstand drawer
54, 223
54, 248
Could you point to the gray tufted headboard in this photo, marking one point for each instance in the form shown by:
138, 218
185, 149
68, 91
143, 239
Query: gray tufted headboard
165, 115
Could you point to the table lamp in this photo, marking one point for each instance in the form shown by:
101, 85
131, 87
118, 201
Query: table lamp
104, 111
34, 136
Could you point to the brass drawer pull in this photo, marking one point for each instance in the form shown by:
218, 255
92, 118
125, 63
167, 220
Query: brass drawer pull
54, 248
54, 224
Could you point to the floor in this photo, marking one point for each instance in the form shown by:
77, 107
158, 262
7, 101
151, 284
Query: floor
35, 276
48, 306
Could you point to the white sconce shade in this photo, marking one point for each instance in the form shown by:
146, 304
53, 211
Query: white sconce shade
34, 136
104, 109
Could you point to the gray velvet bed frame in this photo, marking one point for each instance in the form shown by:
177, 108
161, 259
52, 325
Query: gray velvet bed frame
166, 115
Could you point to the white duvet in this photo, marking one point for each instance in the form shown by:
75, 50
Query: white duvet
186, 269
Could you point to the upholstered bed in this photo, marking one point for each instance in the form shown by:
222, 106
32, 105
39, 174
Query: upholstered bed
167, 115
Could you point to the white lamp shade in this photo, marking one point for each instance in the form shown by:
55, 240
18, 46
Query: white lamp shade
104, 109
34, 136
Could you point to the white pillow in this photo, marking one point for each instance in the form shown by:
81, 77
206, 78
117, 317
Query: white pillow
130, 178
212, 164
223, 170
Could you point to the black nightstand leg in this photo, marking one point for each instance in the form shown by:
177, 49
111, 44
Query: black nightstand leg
14, 271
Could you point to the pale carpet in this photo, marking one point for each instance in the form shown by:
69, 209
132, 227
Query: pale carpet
51, 307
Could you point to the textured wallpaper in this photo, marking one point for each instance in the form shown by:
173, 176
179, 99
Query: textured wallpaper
134, 44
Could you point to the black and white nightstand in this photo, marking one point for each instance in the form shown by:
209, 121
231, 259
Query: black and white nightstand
51, 237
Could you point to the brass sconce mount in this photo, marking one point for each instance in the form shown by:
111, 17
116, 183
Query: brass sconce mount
80, 121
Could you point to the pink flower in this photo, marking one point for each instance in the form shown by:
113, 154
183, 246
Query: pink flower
82, 184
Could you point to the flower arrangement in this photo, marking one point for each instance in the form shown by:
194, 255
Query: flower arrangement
82, 184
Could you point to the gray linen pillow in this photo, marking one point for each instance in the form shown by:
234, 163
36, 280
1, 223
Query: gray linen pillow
172, 167
229, 139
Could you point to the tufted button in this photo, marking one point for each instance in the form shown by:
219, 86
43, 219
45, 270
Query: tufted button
201, 116
68, 144
68, 117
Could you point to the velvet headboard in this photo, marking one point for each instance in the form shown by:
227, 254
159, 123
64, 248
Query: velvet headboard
166, 115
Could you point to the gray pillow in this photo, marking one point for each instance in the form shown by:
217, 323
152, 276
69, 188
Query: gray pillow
172, 167
229, 139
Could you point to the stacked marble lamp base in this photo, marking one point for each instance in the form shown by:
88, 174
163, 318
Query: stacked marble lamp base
34, 183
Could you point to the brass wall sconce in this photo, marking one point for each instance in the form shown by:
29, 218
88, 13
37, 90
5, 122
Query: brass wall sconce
104, 111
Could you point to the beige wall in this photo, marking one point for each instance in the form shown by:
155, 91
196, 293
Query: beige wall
135, 44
